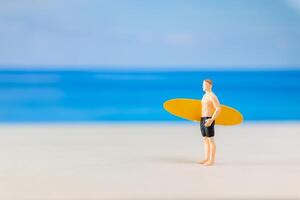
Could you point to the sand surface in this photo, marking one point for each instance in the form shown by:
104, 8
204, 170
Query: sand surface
148, 161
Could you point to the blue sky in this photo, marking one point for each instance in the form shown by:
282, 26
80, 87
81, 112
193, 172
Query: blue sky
228, 33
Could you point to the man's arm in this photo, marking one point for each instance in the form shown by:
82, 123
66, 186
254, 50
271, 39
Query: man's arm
216, 105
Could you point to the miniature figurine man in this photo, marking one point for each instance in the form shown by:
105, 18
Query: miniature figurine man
210, 110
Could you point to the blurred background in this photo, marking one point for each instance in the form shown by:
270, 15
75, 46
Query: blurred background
106, 61
82, 87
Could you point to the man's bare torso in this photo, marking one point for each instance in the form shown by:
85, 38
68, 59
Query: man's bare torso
207, 105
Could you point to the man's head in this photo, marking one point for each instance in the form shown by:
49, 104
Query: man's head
207, 85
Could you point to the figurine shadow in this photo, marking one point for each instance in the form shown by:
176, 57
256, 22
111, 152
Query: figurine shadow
186, 160
278, 163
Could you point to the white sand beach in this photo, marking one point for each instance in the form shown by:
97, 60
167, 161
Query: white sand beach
148, 161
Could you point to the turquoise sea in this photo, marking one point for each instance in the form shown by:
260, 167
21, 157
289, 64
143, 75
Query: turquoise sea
32, 95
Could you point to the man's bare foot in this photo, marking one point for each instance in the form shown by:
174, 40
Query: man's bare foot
209, 163
203, 161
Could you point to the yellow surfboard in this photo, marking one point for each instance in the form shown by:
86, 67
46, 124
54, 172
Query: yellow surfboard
190, 109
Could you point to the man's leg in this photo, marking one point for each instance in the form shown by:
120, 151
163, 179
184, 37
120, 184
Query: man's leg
206, 150
212, 155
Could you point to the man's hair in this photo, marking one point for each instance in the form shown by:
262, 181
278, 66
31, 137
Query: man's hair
208, 81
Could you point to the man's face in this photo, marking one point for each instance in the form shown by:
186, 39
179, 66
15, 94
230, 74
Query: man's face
205, 86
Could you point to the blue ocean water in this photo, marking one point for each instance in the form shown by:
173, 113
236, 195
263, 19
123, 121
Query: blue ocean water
127, 95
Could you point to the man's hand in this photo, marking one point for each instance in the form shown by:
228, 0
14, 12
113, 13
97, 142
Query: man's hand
208, 122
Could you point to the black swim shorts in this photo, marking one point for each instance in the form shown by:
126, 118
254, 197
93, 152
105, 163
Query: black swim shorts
207, 131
